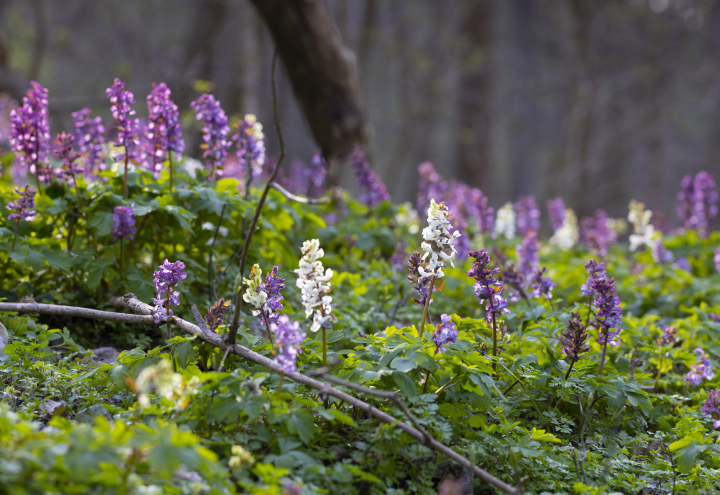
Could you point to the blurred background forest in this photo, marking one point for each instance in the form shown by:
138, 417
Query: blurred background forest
596, 101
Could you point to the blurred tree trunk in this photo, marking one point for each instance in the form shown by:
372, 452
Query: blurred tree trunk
474, 93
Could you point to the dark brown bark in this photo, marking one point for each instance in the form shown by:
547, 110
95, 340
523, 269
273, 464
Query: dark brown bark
322, 71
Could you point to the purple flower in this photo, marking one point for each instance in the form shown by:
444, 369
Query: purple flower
24, 207
397, 260
608, 304
89, 138
372, 190
215, 130
318, 170
166, 278
128, 128
668, 337
7, 104
542, 286
445, 334
422, 284
65, 152
287, 340
528, 259
484, 215
487, 286
684, 264
516, 283
123, 222
527, 215
596, 233
712, 407
685, 201
430, 186
574, 339
556, 211
272, 287
215, 314
660, 253
705, 202
595, 271
250, 146
162, 133
30, 131
701, 371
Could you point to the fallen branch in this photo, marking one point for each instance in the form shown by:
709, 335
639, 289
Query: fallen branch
299, 199
129, 301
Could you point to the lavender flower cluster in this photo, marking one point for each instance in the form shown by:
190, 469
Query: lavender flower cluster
123, 222
372, 190
65, 152
166, 279
697, 202
89, 138
162, 133
700, 371
128, 128
250, 146
22, 208
596, 232
30, 132
445, 334
527, 215
609, 309
487, 285
215, 130
287, 341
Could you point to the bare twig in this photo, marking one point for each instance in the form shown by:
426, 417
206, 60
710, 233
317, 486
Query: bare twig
232, 329
129, 301
299, 199
198, 318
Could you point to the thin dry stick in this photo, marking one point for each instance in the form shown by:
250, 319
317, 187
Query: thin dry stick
129, 301
232, 330
210, 255
299, 199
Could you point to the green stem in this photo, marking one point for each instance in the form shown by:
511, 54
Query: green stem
494, 326
17, 224
268, 335
324, 348
602, 359
572, 363
282, 375
127, 158
547, 425
421, 330
427, 380
171, 170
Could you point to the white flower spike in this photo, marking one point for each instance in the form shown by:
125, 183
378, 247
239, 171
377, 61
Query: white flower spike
438, 243
313, 284
253, 295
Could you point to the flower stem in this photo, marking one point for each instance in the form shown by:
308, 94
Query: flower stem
167, 308
171, 170
494, 325
572, 363
77, 191
127, 158
17, 224
552, 305
282, 375
268, 335
121, 258
602, 359
421, 330
324, 348
427, 379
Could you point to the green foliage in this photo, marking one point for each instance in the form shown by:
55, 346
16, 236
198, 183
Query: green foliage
164, 417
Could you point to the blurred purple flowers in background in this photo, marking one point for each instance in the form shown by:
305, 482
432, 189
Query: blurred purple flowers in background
123, 222
23, 208
527, 215
372, 190
700, 371
528, 258
712, 407
30, 132
250, 147
287, 341
595, 232
215, 131
556, 212
65, 151
697, 202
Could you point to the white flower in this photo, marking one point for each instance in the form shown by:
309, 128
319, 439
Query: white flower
313, 284
644, 232
167, 385
407, 216
505, 223
567, 235
438, 243
254, 295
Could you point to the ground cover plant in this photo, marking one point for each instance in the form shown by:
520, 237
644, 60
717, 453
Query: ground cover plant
381, 348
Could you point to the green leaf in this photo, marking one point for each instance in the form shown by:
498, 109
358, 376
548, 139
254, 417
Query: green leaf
406, 384
35, 259
57, 259
687, 456
102, 221
222, 408
184, 354
303, 424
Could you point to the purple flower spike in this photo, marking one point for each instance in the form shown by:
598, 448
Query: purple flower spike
528, 259
166, 278
430, 186
596, 233
542, 286
701, 371
215, 315
595, 271
685, 201
527, 215
89, 138
272, 286
215, 130
123, 222
24, 207
712, 407
660, 253
287, 340
556, 211
421, 284
373, 191
487, 286
122, 111
608, 304
705, 200
65, 152
445, 334
162, 133
30, 132
484, 215
318, 170
574, 339
250, 146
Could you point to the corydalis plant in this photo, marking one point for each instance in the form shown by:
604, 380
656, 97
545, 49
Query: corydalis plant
712, 407
215, 131
128, 128
314, 284
484, 214
700, 371
596, 233
574, 339
250, 148
420, 283
697, 202
69, 169
23, 209
488, 288
30, 133
667, 340
372, 190
439, 246
166, 278
542, 286
264, 295
89, 138
527, 215
609, 309
287, 342
556, 212
163, 132
215, 315
528, 258
123, 222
